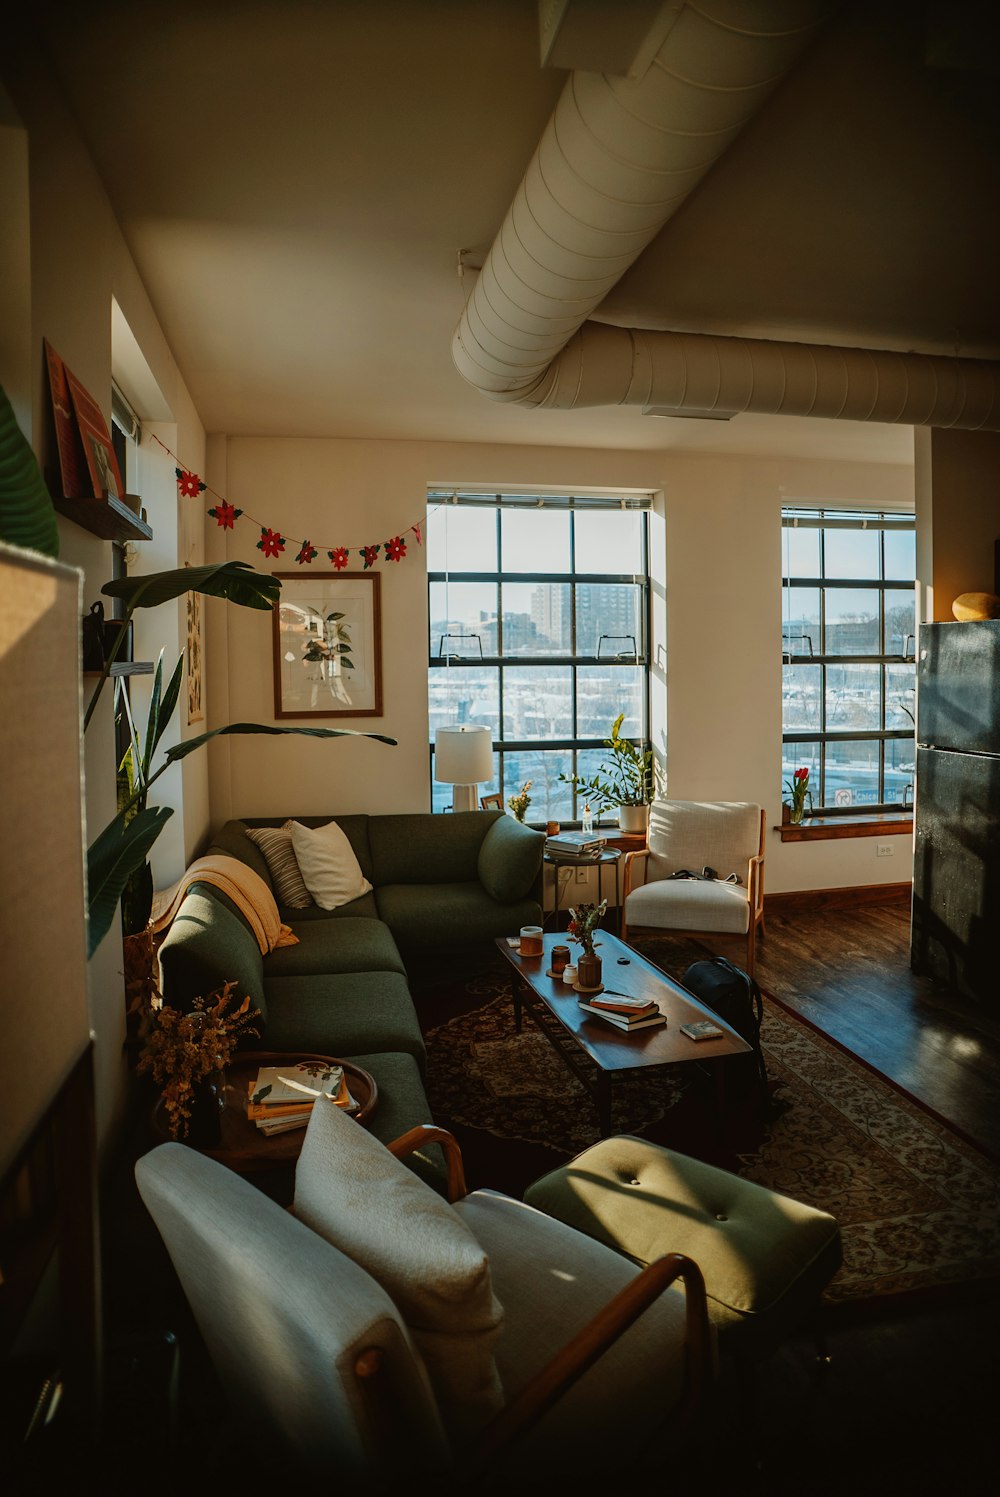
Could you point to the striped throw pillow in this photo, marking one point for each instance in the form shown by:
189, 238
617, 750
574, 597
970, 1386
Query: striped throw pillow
279, 854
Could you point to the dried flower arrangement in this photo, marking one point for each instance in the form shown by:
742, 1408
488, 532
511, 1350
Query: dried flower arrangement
183, 1049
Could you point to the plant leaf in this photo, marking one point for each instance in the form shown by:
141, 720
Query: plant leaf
181, 750
167, 705
112, 858
236, 581
27, 515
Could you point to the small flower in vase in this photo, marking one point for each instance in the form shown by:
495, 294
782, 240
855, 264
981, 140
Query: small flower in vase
182, 1050
584, 920
520, 802
798, 789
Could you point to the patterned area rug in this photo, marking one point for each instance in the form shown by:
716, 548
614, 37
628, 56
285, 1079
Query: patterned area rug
917, 1204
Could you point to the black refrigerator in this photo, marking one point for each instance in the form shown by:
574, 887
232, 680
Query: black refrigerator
955, 933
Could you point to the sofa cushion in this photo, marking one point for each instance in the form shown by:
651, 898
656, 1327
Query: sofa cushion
329, 866
343, 1015
333, 946
424, 918
351, 1190
428, 849
402, 1104
365, 907
286, 876
208, 944
232, 840
509, 860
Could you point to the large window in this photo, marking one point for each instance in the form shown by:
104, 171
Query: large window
538, 628
848, 672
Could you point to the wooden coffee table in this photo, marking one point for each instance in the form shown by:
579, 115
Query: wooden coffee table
578, 1036
243, 1147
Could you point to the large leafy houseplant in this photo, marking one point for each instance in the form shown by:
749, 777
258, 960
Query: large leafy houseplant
117, 860
625, 778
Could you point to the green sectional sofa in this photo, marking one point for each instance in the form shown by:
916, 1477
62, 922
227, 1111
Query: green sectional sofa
438, 883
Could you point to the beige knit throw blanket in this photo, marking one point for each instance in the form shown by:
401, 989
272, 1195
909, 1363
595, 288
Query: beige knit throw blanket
246, 889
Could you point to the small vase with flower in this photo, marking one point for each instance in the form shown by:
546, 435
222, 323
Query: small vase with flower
799, 793
584, 922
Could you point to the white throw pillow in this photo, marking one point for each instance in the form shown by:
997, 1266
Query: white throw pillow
353, 1192
329, 868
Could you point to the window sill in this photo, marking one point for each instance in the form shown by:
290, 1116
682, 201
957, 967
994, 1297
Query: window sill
830, 828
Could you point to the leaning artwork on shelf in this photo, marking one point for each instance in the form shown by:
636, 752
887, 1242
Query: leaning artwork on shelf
327, 645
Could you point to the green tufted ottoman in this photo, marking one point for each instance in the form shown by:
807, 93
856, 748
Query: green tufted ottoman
765, 1257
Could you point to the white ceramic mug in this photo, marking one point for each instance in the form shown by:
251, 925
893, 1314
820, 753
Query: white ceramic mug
531, 940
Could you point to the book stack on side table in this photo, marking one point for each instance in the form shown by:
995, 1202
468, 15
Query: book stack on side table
281, 1098
623, 1011
575, 845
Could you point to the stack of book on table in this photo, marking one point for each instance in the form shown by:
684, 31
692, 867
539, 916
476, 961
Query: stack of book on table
282, 1097
575, 844
623, 1011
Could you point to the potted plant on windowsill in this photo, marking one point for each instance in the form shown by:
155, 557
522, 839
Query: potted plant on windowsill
625, 782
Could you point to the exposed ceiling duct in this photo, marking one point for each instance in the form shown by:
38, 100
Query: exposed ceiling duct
692, 374
618, 157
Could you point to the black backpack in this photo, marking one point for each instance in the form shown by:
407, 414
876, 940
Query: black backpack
734, 996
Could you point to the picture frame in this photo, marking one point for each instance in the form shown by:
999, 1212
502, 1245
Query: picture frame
491, 802
74, 480
195, 700
102, 464
327, 634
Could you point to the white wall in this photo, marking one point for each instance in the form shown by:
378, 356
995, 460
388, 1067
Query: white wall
78, 263
718, 527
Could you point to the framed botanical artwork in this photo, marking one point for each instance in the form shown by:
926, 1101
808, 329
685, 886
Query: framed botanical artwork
328, 645
195, 707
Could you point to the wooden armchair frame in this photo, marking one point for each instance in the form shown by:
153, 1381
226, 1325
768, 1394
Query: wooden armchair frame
583, 1349
755, 899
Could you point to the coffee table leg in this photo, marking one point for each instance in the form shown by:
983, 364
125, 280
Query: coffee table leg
603, 1090
515, 990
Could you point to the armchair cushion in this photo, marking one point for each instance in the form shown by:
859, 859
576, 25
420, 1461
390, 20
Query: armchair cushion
688, 904
723, 835
353, 1192
552, 1282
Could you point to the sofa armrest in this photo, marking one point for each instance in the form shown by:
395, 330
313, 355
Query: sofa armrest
510, 860
207, 945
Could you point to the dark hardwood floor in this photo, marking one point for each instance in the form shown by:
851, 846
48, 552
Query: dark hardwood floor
847, 970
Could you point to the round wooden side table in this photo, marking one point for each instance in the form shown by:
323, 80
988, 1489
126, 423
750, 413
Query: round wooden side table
243, 1147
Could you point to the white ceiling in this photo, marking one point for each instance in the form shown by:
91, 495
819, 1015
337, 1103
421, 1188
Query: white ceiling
295, 180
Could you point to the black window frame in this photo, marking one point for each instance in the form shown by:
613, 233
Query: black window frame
823, 519
574, 744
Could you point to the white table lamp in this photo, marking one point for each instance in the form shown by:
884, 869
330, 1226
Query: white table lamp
463, 758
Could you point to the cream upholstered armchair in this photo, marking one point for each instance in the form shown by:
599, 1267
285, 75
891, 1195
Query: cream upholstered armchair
378, 1332
726, 837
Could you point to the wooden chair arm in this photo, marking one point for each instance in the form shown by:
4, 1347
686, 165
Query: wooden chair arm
580, 1353
640, 852
427, 1133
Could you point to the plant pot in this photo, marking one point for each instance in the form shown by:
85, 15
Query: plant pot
634, 819
588, 970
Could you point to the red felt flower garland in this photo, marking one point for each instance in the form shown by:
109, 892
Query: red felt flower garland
272, 543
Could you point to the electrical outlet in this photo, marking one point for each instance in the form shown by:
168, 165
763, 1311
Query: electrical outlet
883, 849
581, 875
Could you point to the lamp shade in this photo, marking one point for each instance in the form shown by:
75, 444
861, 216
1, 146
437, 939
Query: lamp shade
463, 755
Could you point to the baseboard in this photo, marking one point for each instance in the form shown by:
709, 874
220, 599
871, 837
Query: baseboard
819, 899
